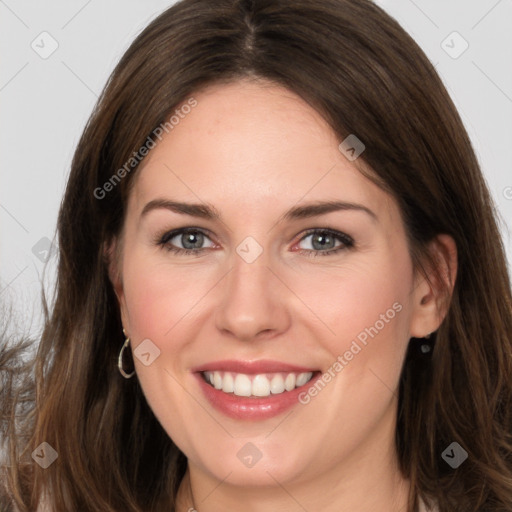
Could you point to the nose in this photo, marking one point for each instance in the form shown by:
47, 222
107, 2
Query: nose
254, 301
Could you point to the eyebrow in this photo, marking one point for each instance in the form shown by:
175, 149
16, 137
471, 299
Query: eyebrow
209, 212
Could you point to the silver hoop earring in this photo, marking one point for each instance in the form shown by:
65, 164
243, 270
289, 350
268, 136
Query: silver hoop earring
120, 360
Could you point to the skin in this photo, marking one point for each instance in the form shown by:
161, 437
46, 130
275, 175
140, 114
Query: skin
254, 150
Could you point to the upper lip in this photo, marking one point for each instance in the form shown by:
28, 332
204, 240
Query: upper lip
251, 367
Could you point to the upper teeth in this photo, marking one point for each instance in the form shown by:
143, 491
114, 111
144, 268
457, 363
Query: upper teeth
256, 385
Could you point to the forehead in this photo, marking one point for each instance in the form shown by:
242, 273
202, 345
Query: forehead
249, 144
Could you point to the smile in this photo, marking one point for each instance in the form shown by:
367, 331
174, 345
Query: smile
260, 385
253, 390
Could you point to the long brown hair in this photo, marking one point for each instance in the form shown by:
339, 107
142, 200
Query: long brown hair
356, 66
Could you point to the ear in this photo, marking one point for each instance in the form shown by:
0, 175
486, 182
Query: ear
112, 255
433, 291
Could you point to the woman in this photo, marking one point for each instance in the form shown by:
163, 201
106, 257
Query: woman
280, 283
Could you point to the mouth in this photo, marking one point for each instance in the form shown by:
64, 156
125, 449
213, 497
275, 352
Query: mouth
253, 390
256, 386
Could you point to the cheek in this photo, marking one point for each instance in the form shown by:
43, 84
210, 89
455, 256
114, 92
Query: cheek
366, 310
159, 296
372, 334
364, 301
160, 303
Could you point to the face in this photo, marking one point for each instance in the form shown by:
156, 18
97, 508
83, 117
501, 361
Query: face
299, 316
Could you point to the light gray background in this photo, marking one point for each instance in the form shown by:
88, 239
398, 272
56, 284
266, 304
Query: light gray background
45, 103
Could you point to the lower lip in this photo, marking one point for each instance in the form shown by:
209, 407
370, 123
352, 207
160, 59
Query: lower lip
248, 408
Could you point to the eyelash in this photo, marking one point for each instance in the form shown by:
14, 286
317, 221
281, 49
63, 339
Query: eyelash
347, 242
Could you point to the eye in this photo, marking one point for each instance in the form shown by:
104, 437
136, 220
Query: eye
191, 240
323, 242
